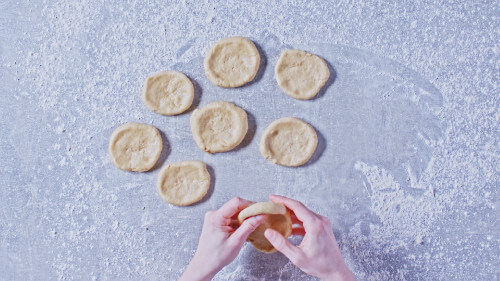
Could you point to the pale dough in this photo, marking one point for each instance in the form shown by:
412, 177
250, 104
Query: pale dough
219, 126
300, 74
135, 147
277, 218
232, 62
289, 142
183, 183
168, 92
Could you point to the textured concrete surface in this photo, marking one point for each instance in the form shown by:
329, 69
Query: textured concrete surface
407, 165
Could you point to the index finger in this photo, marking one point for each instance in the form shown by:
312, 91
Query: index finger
301, 211
233, 206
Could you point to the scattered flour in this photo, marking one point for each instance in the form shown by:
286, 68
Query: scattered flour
79, 66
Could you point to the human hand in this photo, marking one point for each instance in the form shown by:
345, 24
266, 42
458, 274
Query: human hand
318, 254
221, 240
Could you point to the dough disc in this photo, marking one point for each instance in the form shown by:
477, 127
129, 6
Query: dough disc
219, 126
183, 183
289, 142
168, 92
135, 147
300, 74
277, 218
232, 62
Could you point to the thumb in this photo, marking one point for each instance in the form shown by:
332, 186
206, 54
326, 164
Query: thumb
282, 244
247, 227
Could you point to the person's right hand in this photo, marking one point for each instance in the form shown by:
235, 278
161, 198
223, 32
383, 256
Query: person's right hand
318, 254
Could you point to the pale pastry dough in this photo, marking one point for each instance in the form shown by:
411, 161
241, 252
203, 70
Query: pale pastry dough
168, 92
300, 74
183, 183
289, 142
219, 126
277, 218
135, 147
232, 62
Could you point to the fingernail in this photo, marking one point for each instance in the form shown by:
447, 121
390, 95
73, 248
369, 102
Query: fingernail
269, 233
259, 218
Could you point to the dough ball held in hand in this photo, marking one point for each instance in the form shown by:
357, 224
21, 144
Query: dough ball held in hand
289, 142
183, 183
277, 217
232, 62
219, 126
135, 147
300, 74
168, 93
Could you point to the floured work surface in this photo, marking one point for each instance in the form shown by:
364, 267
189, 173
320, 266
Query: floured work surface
404, 166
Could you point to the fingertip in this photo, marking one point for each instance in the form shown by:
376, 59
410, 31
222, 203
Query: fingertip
275, 198
240, 201
246, 203
253, 222
255, 219
269, 233
259, 218
247, 226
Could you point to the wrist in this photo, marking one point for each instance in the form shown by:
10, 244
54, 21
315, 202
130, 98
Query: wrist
198, 270
344, 274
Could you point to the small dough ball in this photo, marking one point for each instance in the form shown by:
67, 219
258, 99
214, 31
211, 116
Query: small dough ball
168, 92
232, 62
277, 217
135, 147
183, 183
219, 126
289, 142
300, 74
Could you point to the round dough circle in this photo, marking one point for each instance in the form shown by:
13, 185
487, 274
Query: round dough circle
183, 183
289, 142
300, 74
232, 62
277, 217
168, 92
219, 126
135, 147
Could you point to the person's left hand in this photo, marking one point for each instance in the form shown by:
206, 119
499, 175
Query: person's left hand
221, 240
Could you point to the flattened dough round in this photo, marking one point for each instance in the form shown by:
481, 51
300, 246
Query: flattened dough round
232, 62
277, 218
168, 92
135, 147
219, 126
289, 142
300, 74
183, 183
